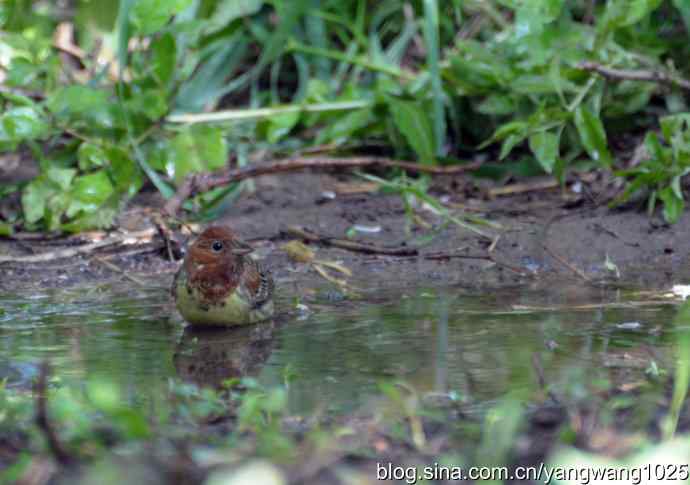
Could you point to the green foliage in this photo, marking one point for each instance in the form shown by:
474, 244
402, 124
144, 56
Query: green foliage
682, 375
661, 172
425, 81
261, 412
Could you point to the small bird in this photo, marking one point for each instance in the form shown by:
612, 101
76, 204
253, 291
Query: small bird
219, 284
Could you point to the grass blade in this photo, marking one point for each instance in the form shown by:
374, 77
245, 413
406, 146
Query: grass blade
432, 48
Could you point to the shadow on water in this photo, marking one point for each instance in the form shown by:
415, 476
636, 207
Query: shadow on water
473, 348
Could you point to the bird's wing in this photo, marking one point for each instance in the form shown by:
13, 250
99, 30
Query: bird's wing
258, 281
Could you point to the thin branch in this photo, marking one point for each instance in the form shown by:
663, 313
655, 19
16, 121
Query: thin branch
202, 182
402, 251
250, 114
116, 269
129, 238
486, 257
56, 447
659, 77
521, 188
565, 263
350, 245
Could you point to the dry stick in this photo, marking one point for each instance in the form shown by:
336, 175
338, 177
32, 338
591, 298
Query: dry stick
485, 257
521, 188
165, 233
116, 269
541, 379
565, 263
203, 182
493, 244
539, 370
349, 245
56, 447
125, 239
399, 251
636, 75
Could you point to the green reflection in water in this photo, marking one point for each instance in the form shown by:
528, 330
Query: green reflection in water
475, 347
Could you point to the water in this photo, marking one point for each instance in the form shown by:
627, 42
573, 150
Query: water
473, 347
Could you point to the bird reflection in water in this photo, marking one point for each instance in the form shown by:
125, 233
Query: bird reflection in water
208, 357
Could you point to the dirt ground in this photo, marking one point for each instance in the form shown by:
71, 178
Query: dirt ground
545, 234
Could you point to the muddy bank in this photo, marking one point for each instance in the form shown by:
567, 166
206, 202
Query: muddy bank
545, 234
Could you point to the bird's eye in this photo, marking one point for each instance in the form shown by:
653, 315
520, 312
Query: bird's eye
217, 246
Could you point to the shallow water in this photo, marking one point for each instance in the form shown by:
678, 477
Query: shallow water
472, 347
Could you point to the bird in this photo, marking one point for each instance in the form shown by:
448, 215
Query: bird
220, 284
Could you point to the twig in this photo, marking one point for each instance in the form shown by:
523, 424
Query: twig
350, 245
116, 269
636, 75
41, 389
165, 233
592, 306
129, 238
539, 370
493, 244
521, 188
541, 379
485, 257
565, 263
203, 182
405, 252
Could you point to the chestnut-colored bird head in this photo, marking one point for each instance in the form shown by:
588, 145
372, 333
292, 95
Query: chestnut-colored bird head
217, 244
215, 261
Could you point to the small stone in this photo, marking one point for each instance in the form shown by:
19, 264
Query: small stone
255, 472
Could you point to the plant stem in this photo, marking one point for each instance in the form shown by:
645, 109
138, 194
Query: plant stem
246, 114
360, 61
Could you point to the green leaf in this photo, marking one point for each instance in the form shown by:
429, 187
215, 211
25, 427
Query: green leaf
623, 13
122, 32
124, 172
684, 7
89, 192
593, 136
228, 10
431, 39
61, 176
532, 15
24, 123
497, 104
673, 204
151, 103
46, 197
34, 198
671, 125
149, 16
280, 125
199, 148
55, 207
545, 146
502, 132
509, 143
210, 80
164, 57
653, 146
82, 104
345, 126
414, 124
91, 156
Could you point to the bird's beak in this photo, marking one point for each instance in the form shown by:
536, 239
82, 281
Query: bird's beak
241, 249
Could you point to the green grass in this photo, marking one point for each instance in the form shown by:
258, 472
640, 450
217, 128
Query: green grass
434, 81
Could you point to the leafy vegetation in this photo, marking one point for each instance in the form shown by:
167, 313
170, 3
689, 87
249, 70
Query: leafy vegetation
111, 96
